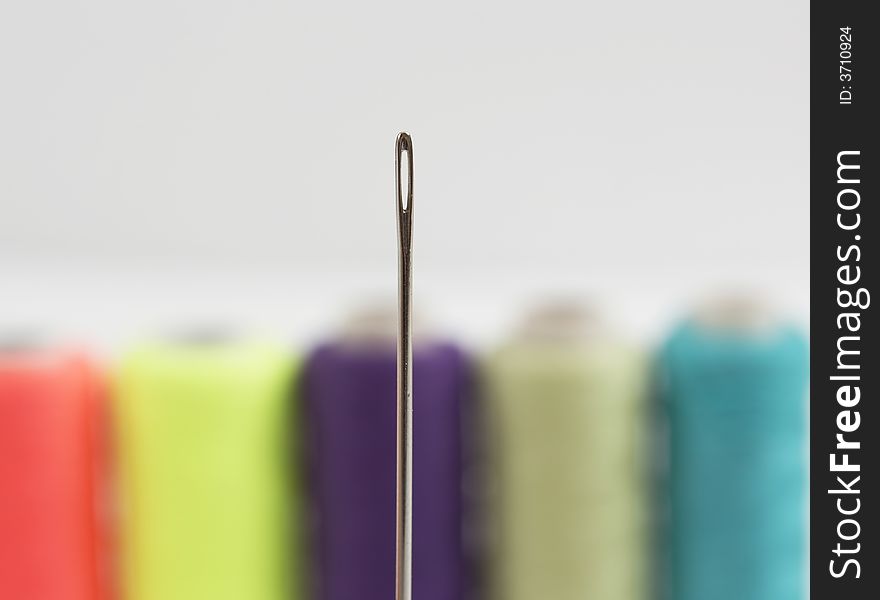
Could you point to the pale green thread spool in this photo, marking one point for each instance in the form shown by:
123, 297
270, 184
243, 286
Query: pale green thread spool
565, 410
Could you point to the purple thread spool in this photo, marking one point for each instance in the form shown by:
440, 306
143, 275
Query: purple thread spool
350, 421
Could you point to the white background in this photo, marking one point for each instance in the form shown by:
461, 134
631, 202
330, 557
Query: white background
173, 162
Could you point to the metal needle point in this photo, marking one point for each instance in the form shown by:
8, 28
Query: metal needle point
403, 159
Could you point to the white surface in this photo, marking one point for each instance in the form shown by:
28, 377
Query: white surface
166, 162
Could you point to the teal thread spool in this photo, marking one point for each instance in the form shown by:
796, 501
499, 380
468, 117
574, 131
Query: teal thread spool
565, 411
736, 402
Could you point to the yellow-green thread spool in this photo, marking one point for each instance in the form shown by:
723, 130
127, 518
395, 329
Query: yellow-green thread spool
206, 502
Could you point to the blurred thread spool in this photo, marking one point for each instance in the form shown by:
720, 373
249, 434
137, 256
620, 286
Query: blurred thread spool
52, 475
203, 456
566, 415
734, 384
349, 390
